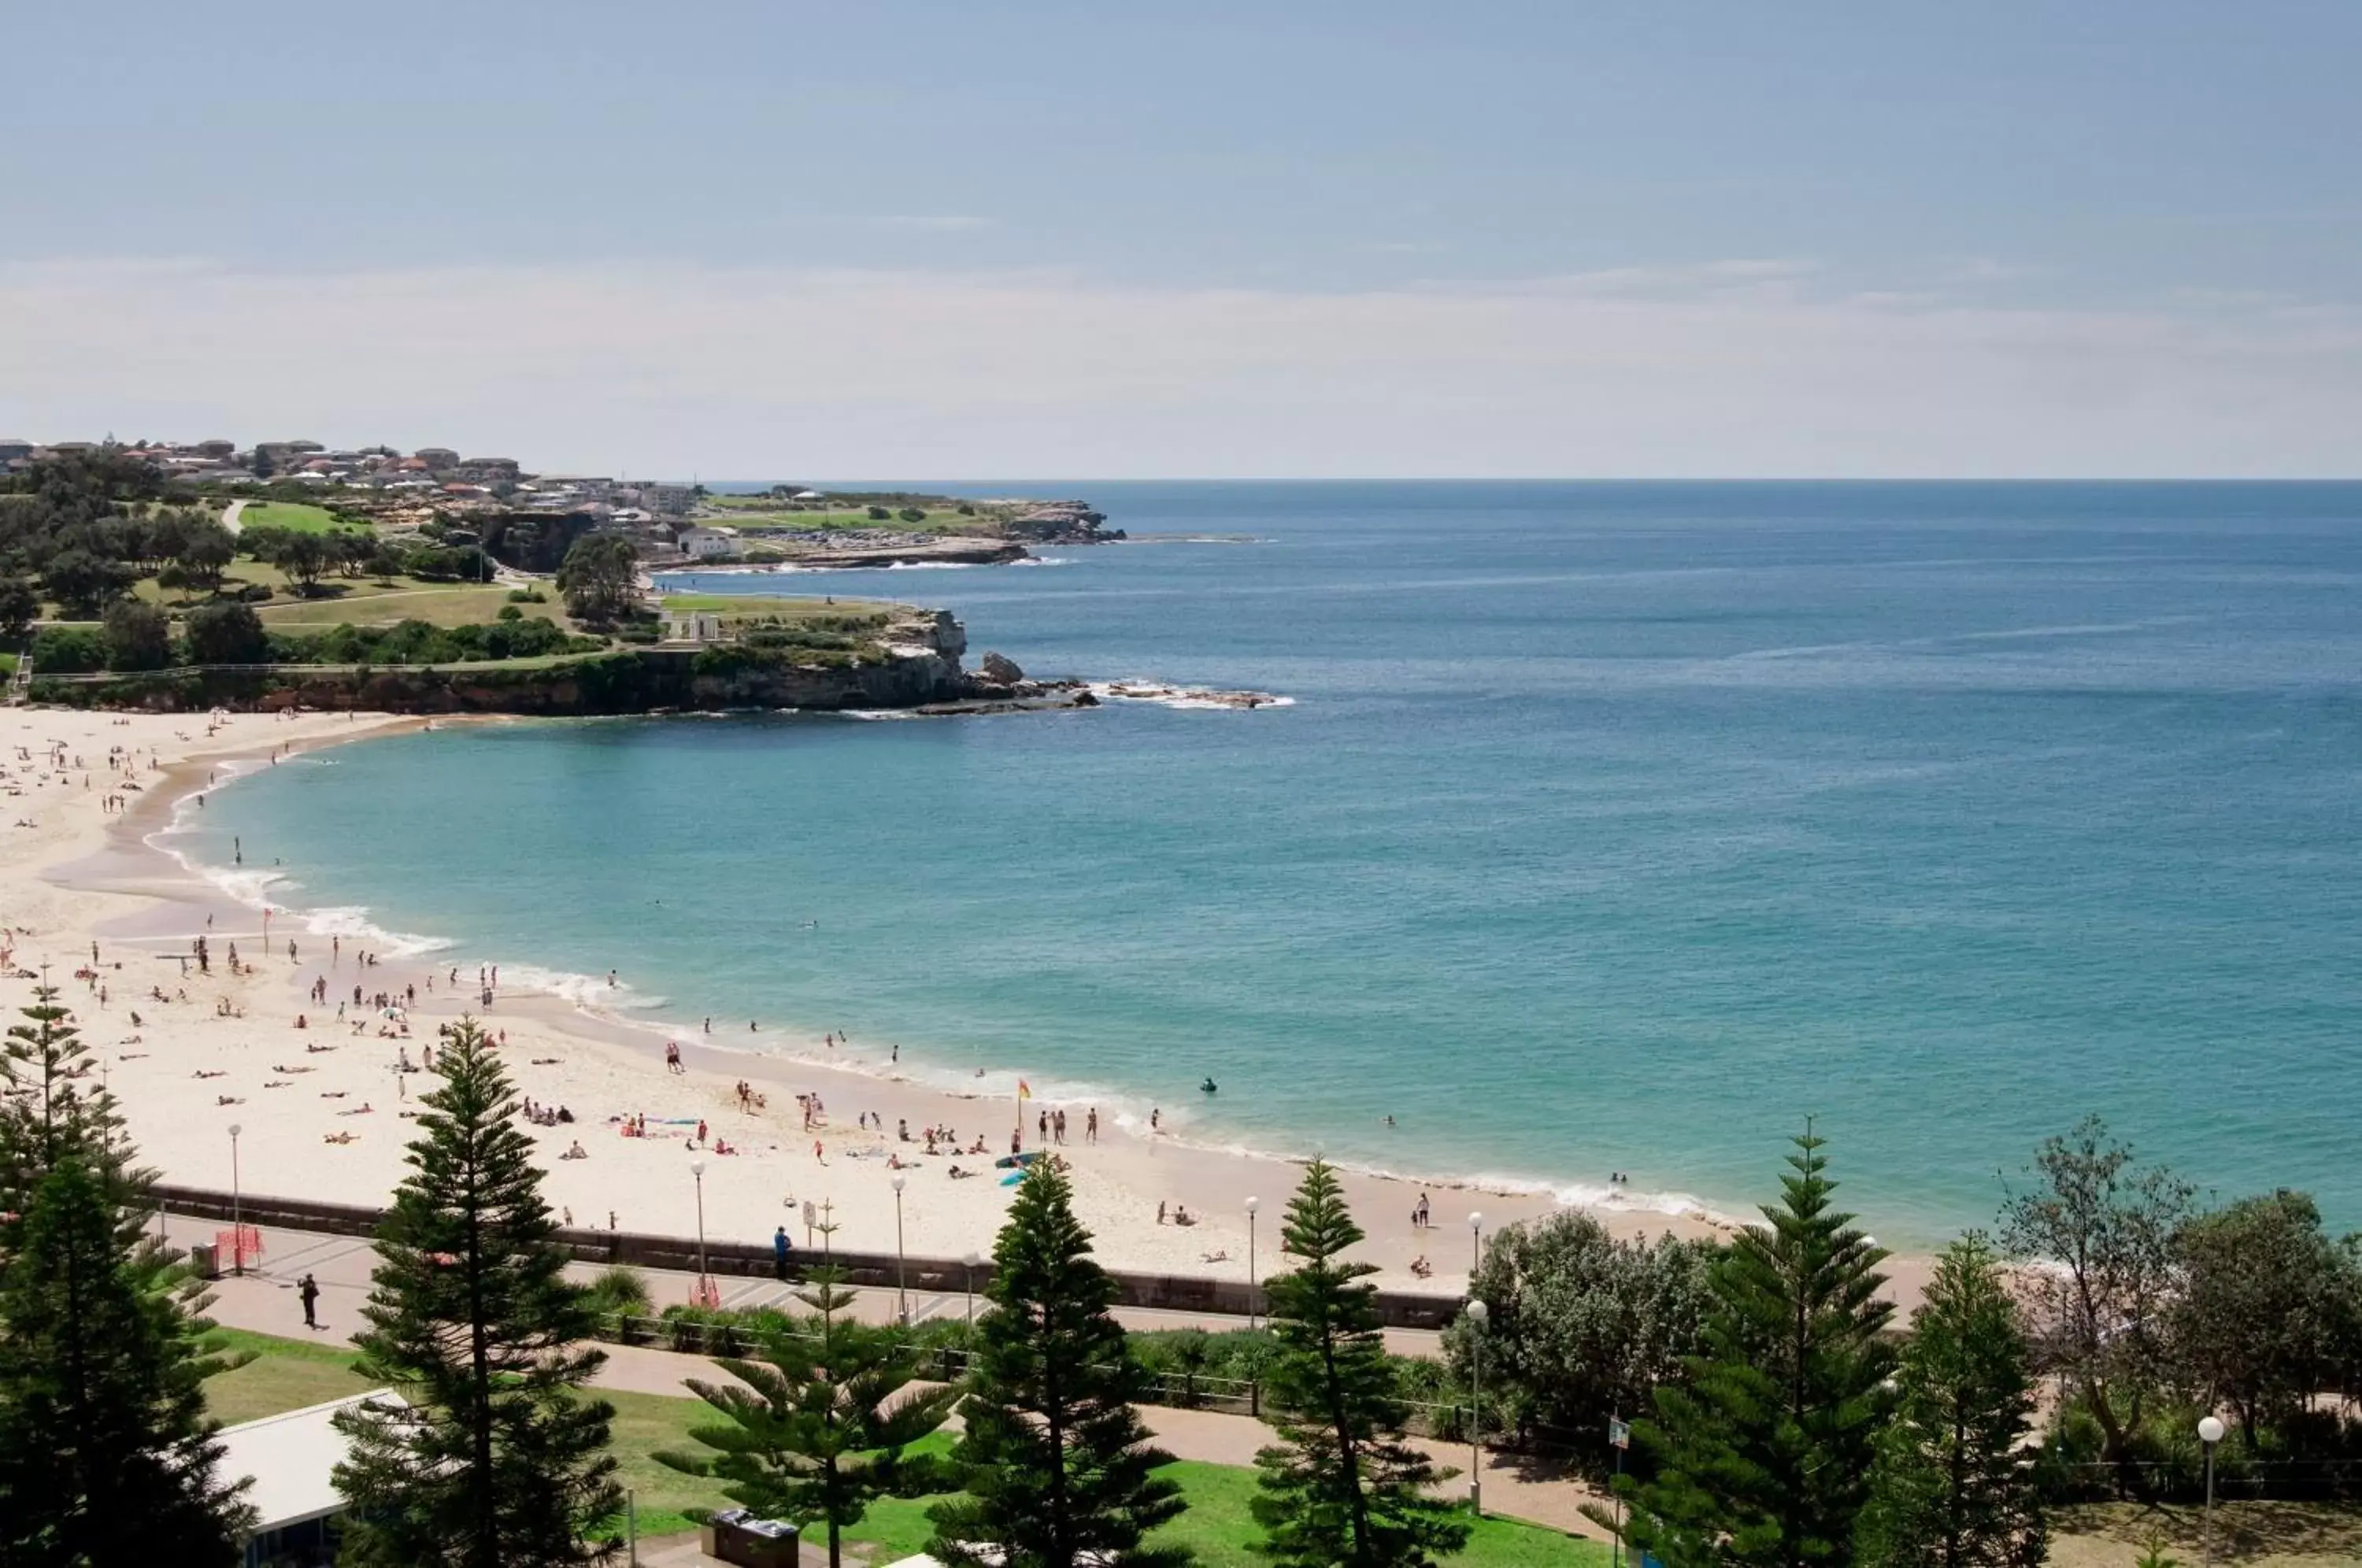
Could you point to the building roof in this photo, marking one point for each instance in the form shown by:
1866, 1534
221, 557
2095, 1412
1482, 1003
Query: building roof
292, 1459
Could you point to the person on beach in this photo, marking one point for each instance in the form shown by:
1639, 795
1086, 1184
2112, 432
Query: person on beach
781, 1247
308, 1292
1092, 1126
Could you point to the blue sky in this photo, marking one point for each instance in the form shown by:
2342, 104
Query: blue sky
917, 238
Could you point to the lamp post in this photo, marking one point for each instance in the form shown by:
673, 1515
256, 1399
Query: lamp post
2210, 1432
901, 1297
697, 1169
1252, 1204
1476, 1313
969, 1264
236, 1236
1475, 1246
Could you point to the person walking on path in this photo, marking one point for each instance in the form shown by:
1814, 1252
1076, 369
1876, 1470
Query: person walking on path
309, 1290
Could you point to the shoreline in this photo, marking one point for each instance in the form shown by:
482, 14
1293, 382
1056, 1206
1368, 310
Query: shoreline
602, 1064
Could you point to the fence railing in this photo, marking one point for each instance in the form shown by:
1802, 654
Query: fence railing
684, 1254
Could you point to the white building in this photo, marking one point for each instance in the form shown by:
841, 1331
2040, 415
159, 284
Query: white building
291, 1460
702, 544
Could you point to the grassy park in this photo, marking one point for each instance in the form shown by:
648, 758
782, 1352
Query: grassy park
296, 516
288, 1375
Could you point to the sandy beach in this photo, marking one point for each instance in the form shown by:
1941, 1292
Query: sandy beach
324, 1108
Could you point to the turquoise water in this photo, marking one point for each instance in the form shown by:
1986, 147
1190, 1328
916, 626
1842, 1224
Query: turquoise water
1613, 827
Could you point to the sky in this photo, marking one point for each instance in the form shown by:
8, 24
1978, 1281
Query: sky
912, 239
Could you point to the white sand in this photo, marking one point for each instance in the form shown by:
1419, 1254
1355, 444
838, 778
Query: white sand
79, 874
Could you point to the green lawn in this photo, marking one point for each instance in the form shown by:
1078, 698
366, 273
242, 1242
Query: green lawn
288, 1375
293, 514
364, 604
787, 610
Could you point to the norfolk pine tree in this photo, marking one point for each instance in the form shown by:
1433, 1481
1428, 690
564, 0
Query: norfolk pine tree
1954, 1485
1058, 1467
819, 1428
105, 1449
1764, 1460
491, 1459
1342, 1486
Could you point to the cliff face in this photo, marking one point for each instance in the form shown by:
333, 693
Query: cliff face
920, 665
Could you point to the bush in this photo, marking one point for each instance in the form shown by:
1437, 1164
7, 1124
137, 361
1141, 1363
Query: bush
527, 596
911, 514
138, 636
511, 612
619, 1290
226, 634
68, 650
879, 515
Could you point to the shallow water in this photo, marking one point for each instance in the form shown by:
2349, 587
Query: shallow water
1615, 827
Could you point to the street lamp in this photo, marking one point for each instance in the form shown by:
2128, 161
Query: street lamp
902, 1298
237, 1233
1475, 1245
705, 1283
1476, 1313
2210, 1432
970, 1263
1252, 1204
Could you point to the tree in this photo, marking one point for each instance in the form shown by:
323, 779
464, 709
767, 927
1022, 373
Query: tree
1584, 1327
20, 606
83, 583
103, 1440
1058, 1467
138, 636
1954, 1485
819, 1425
264, 465
206, 548
1764, 1460
1341, 1486
2267, 1303
490, 1457
226, 634
2097, 1315
303, 557
106, 1450
601, 578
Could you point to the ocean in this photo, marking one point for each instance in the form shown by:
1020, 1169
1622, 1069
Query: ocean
1612, 827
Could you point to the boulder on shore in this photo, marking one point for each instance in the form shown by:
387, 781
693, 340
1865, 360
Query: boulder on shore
1000, 669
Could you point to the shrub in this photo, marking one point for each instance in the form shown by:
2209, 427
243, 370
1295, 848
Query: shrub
68, 650
619, 1290
137, 635
511, 612
226, 634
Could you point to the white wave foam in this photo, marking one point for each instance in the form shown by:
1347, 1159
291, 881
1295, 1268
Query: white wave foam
1197, 697
590, 993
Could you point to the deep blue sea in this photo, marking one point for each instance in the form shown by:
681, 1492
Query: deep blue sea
1613, 827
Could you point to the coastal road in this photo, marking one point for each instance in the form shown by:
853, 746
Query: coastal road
264, 1301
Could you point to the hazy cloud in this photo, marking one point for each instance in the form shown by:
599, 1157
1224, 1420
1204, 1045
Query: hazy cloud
1727, 369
